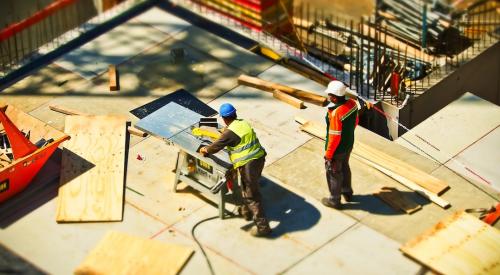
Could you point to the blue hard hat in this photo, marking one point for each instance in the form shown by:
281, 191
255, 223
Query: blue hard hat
227, 110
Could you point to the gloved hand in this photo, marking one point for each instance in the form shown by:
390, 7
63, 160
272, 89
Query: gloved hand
204, 151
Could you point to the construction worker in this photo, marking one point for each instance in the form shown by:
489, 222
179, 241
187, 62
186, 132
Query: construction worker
248, 157
341, 120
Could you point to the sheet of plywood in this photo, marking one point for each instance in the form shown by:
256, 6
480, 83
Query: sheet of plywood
92, 170
460, 244
120, 253
398, 200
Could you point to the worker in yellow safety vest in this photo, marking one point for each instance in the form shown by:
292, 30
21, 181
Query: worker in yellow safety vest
248, 157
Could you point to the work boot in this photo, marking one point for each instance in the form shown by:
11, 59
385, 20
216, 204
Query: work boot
256, 232
347, 197
328, 203
244, 212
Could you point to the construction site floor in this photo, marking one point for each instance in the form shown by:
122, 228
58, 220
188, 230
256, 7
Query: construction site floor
307, 237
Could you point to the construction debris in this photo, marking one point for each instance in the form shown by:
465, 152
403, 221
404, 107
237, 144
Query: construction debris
113, 78
398, 200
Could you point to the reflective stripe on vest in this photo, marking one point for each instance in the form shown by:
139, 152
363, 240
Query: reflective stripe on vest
249, 147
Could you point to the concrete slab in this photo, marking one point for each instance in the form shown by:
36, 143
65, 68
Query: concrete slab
40, 87
113, 47
479, 158
163, 21
225, 51
197, 263
360, 250
151, 183
59, 248
198, 73
454, 127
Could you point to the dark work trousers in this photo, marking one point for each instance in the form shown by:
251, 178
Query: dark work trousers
338, 176
252, 200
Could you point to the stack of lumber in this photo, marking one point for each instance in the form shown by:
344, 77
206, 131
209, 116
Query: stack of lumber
266, 15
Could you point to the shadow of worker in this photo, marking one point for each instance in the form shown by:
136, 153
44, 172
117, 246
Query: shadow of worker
291, 211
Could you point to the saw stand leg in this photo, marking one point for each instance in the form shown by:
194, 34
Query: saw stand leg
181, 156
222, 202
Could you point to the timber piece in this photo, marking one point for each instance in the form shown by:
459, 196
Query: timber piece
67, 111
399, 167
271, 87
406, 182
458, 244
398, 200
92, 169
120, 253
113, 78
288, 99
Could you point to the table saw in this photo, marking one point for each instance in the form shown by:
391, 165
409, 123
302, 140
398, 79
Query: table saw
209, 174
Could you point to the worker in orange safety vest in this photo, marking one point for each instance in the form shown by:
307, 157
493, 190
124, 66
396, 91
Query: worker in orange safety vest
341, 120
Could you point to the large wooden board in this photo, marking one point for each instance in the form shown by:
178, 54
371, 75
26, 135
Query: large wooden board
92, 170
460, 244
119, 253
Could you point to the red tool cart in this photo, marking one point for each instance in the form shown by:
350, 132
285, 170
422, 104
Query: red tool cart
20, 158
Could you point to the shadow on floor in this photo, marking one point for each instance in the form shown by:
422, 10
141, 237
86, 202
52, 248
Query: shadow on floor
291, 211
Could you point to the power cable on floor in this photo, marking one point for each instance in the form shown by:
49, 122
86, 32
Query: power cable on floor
199, 244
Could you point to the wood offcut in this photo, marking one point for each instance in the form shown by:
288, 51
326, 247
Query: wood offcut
268, 86
459, 244
120, 253
113, 78
288, 99
398, 200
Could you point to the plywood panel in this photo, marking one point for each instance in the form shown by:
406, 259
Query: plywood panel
119, 253
92, 171
460, 244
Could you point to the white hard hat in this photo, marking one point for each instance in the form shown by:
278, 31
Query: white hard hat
336, 87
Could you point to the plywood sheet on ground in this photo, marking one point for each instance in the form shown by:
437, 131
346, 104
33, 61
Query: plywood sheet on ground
450, 128
348, 254
224, 51
120, 253
92, 171
59, 248
113, 47
163, 21
459, 244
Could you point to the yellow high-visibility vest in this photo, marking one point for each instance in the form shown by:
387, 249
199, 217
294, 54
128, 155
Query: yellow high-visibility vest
249, 147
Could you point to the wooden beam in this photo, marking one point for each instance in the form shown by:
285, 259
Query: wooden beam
271, 87
288, 99
67, 111
397, 200
113, 78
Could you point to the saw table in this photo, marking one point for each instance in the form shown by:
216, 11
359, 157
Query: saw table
207, 174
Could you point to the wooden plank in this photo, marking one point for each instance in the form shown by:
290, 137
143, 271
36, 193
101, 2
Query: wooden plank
398, 200
120, 253
288, 99
406, 182
92, 170
67, 111
459, 244
113, 78
316, 129
397, 166
271, 87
